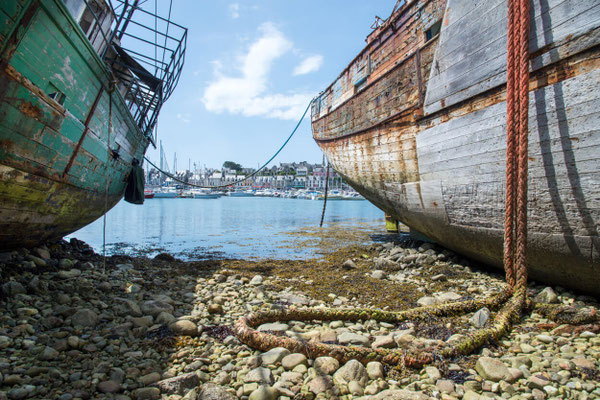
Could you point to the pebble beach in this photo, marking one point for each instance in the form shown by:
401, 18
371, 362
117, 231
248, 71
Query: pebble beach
75, 327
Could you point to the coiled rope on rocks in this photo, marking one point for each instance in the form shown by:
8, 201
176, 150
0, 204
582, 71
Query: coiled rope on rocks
508, 303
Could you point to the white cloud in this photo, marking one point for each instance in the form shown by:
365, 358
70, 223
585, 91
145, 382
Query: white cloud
185, 118
308, 65
247, 94
234, 10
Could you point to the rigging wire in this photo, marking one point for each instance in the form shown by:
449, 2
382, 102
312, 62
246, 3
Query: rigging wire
166, 37
247, 177
156, 37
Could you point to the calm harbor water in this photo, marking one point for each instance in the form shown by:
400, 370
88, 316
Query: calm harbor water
231, 227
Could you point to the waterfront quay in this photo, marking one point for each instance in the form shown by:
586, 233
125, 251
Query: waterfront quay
282, 177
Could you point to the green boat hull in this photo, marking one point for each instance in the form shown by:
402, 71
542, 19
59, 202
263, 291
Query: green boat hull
60, 167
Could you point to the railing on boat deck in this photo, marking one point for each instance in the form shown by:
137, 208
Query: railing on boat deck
154, 43
146, 55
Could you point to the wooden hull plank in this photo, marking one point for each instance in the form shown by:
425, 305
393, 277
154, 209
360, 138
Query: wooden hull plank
463, 72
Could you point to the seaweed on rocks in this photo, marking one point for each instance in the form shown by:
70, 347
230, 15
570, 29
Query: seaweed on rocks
219, 332
159, 333
586, 373
165, 257
433, 330
458, 377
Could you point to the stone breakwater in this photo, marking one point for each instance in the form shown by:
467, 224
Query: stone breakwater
161, 329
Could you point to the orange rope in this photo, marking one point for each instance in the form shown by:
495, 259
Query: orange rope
510, 151
521, 272
517, 103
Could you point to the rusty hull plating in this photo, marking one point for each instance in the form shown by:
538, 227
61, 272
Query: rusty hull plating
416, 124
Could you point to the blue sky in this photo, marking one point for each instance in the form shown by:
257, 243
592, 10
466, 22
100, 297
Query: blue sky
251, 69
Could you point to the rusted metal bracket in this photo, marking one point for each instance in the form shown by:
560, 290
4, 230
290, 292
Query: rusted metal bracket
85, 131
378, 22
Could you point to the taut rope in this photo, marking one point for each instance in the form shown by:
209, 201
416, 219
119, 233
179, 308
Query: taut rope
107, 176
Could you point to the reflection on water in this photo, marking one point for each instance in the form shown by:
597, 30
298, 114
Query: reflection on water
243, 227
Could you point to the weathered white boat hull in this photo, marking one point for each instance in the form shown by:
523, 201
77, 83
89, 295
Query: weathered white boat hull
439, 166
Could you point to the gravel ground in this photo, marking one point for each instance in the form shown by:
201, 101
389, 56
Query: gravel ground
161, 328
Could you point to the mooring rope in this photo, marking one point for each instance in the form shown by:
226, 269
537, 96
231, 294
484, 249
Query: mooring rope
247, 177
107, 177
511, 127
508, 304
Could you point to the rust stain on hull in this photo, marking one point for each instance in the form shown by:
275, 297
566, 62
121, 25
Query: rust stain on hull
377, 144
31, 111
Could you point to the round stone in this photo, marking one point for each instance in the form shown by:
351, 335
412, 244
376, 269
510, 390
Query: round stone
149, 393
264, 393
215, 309
259, 375
375, 370
326, 365
353, 370
155, 307
184, 327
84, 317
320, 384
108, 387
378, 274
165, 318
274, 356
292, 360
492, 369
48, 354
277, 327
353, 338
546, 296
355, 388
480, 318
426, 301
545, 338
12, 288
5, 342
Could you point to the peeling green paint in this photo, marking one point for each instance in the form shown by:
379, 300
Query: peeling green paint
38, 136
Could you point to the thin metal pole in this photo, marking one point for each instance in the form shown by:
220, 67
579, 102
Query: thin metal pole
325, 199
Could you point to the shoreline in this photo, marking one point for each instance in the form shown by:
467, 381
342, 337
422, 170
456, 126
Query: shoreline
161, 328
237, 228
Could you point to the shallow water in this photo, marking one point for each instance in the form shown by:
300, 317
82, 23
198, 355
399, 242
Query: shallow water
242, 227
